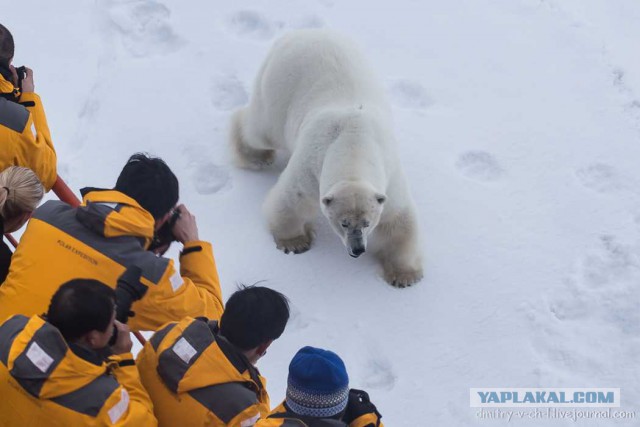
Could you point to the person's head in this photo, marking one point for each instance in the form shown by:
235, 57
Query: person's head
149, 181
318, 384
253, 318
20, 193
7, 47
83, 310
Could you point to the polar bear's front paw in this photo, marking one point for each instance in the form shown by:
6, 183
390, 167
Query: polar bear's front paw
297, 245
402, 279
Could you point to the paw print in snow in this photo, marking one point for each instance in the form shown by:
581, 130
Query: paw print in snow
247, 23
600, 177
210, 178
144, 27
409, 94
479, 166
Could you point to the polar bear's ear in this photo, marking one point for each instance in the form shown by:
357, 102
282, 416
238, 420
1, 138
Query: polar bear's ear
327, 200
381, 198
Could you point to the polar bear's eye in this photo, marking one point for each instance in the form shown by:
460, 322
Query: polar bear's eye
345, 224
365, 224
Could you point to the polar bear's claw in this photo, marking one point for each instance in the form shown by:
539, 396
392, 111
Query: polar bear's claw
249, 158
403, 279
296, 245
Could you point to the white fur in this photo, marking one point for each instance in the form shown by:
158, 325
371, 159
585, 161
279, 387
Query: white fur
316, 98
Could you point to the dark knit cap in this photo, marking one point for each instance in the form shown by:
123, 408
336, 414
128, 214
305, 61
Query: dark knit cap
318, 384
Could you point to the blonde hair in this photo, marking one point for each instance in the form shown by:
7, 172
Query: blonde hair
20, 191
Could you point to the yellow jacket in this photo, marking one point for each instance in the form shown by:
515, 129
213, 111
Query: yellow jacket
99, 240
281, 417
197, 378
44, 383
25, 139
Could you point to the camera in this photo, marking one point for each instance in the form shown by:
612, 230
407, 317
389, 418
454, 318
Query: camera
22, 74
164, 235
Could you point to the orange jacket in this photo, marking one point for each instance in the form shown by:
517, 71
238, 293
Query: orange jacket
25, 139
44, 383
99, 240
196, 378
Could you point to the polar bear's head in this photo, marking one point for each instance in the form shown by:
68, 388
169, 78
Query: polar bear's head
353, 209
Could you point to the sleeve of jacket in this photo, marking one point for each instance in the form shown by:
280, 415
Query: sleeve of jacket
194, 291
42, 155
367, 420
129, 405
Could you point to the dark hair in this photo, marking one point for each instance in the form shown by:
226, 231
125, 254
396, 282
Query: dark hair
7, 47
149, 181
81, 306
254, 315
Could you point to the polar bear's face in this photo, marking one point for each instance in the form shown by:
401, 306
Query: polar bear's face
353, 210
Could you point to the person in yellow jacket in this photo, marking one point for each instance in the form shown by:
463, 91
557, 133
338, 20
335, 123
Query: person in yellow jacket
318, 395
108, 233
57, 370
25, 139
202, 373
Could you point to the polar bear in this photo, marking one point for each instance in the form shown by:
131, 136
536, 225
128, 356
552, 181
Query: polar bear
316, 98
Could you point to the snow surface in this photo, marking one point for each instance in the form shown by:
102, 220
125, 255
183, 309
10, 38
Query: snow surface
518, 124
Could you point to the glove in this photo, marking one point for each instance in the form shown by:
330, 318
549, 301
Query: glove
128, 290
359, 406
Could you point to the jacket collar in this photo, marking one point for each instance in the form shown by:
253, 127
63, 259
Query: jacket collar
235, 356
91, 356
111, 213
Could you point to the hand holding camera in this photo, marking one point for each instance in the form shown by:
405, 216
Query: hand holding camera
23, 78
122, 342
185, 229
180, 226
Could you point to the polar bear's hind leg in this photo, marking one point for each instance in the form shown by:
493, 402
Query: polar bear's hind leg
243, 148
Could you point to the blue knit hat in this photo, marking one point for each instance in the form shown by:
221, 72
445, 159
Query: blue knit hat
318, 384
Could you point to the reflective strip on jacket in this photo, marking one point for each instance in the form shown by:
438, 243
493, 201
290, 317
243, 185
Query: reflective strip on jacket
44, 383
99, 240
197, 378
281, 417
25, 139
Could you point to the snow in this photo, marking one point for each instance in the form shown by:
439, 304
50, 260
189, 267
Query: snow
518, 124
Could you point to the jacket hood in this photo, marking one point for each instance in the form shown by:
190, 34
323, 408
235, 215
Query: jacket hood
111, 213
38, 358
192, 355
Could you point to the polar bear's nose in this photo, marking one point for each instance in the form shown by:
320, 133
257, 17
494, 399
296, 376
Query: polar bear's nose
356, 252
356, 246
